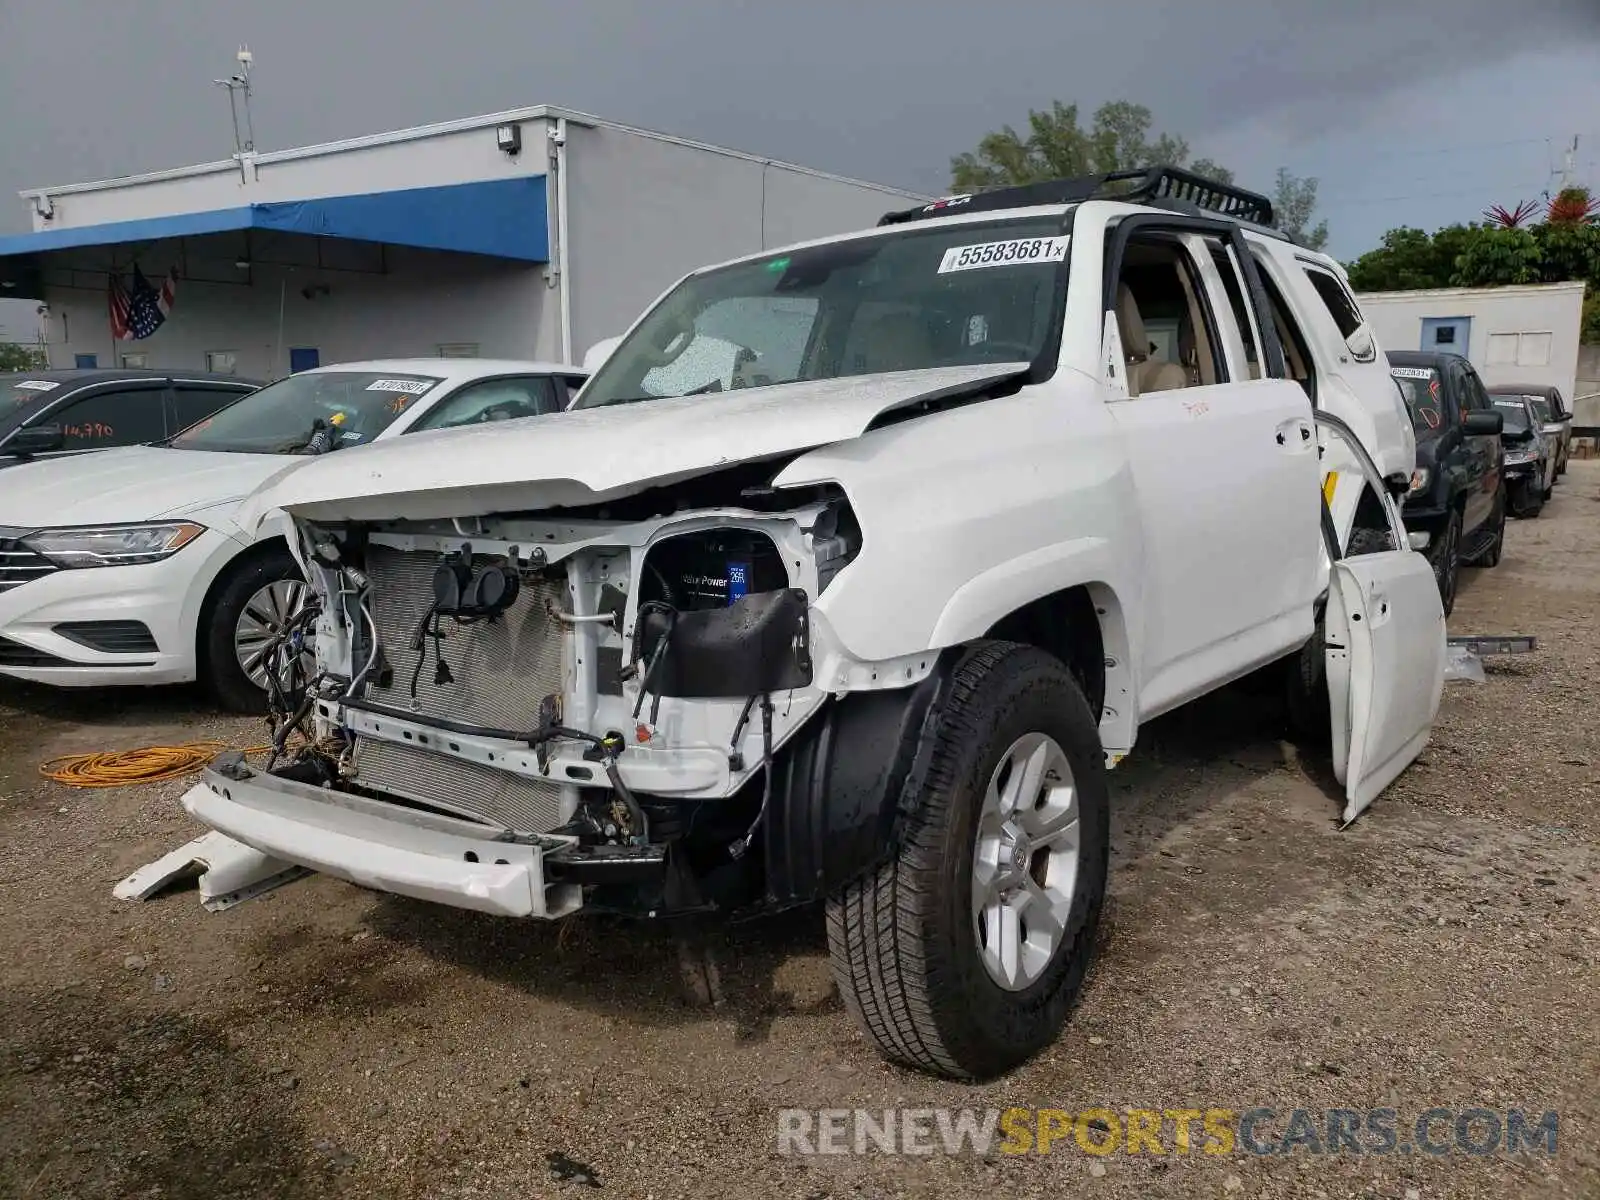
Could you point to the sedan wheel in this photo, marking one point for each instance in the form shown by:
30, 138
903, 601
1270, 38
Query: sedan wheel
266, 614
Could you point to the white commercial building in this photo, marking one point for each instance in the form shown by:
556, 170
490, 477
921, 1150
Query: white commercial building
1519, 334
525, 234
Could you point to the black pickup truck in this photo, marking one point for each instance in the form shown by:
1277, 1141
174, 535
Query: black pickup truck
1458, 491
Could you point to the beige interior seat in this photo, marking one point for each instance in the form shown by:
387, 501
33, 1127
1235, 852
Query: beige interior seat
1145, 374
896, 341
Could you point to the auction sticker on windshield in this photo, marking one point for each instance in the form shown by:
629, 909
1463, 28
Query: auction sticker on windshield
415, 386
1004, 254
1411, 372
37, 385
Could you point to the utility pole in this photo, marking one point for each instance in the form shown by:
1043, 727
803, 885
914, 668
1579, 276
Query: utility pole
1567, 164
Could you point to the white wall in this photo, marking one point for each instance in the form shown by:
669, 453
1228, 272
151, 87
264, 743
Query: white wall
1553, 308
425, 300
644, 212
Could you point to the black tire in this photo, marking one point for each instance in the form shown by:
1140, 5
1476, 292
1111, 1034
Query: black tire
1306, 693
903, 941
1497, 522
219, 665
1445, 556
1368, 541
1524, 505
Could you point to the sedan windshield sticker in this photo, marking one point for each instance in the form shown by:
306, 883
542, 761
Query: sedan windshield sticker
415, 386
1003, 254
37, 385
1411, 372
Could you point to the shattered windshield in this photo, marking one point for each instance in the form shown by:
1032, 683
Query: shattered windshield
309, 413
912, 299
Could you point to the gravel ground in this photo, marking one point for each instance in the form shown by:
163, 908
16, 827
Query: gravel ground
328, 1041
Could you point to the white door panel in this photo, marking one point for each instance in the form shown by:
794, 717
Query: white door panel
1227, 480
1385, 658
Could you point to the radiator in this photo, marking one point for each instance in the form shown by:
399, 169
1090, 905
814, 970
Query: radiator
501, 671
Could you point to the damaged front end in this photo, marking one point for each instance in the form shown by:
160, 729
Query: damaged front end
615, 708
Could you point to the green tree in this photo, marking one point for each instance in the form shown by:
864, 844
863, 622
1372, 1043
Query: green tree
1406, 259
1294, 201
1057, 146
1495, 257
19, 358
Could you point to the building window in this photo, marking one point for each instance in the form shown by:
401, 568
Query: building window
458, 350
86, 362
136, 361
221, 362
1533, 350
1519, 349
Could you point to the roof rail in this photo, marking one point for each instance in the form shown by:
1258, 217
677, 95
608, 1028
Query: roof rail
1164, 187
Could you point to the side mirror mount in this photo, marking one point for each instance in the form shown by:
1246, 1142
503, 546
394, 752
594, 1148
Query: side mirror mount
597, 354
1483, 424
1361, 345
35, 439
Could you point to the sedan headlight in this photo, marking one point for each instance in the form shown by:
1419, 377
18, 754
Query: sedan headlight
113, 545
1419, 480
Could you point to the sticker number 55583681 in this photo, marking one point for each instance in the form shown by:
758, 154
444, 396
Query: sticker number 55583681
1004, 254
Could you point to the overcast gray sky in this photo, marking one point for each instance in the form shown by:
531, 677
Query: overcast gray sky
1409, 111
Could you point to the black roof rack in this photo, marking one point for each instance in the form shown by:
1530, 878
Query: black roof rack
1163, 187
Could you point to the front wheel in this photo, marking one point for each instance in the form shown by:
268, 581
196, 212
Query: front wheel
1445, 557
254, 601
1527, 500
962, 955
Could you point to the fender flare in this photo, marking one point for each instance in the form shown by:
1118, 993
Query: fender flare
842, 788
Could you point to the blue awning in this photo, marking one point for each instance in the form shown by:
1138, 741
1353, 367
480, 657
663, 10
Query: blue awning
502, 218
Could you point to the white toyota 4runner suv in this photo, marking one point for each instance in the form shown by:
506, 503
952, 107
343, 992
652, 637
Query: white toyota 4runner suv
864, 611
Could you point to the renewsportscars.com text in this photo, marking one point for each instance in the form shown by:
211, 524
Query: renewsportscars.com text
1211, 1131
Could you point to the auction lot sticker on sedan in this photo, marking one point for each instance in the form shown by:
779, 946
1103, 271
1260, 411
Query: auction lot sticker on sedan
1003, 254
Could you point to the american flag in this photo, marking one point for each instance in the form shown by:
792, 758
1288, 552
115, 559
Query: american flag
138, 312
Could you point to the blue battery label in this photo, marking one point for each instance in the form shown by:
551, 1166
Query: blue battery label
738, 581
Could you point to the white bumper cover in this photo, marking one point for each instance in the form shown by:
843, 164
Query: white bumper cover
383, 847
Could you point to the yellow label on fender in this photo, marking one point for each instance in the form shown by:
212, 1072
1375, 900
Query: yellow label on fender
1329, 483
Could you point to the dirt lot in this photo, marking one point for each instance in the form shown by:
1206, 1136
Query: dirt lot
327, 1041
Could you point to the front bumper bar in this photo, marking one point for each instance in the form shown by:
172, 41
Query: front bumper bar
383, 846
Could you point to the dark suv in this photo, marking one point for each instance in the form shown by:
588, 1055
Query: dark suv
1458, 491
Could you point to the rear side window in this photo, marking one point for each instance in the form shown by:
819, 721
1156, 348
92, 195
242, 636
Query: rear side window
1339, 303
120, 417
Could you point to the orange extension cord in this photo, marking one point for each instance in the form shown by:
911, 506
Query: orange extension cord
147, 764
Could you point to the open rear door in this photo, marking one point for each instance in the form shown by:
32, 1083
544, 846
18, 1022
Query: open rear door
1385, 640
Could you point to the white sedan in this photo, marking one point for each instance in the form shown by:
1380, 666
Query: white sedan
131, 566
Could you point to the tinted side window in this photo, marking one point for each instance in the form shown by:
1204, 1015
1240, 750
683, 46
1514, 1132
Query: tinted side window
124, 417
193, 402
1475, 395
493, 400
1338, 302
